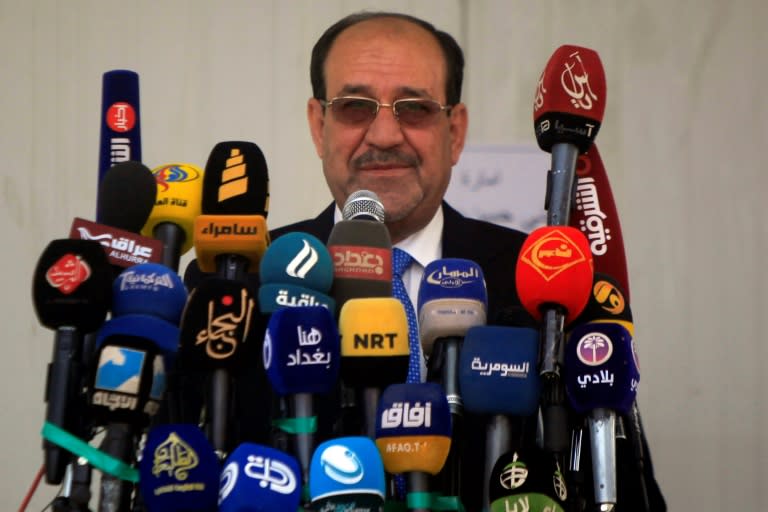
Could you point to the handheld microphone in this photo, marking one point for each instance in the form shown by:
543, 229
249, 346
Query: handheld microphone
553, 278
179, 202
568, 109
607, 303
120, 135
71, 293
413, 434
498, 377
526, 478
215, 339
231, 233
301, 357
596, 216
361, 250
258, 478
601, 379
133, 350
296, 270
126, 195
452, 299
374, 350
179, 470
347, 473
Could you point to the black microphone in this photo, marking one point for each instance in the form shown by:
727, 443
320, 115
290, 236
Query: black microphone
231, 233
71, 292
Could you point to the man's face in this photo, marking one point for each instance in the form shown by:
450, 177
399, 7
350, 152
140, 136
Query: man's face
408, 167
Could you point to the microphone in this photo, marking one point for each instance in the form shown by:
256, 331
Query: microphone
374, 350
179, 202
596, 216
301, 357
178, 470
258, 478
568, 109
231, 233
347, 474
452, 299
601, 380
133, 350
71, 293
215, 339
120, 135
413, 434
498, 377
607, 303
126, 195
296, 270
361, 250
553, 278
525, 478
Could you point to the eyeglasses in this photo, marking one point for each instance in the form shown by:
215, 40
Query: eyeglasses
354, 110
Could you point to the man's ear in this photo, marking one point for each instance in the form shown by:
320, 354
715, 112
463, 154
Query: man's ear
316, 119
459, 121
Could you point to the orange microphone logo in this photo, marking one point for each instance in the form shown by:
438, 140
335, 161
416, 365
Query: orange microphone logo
553, 254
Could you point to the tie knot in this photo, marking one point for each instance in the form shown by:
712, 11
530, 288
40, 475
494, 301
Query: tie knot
401, 260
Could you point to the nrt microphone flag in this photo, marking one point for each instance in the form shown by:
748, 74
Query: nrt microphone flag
120, 138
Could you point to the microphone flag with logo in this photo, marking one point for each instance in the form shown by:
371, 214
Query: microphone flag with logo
178, 471
526, 478
232, 229
347, 473
178, 203
71, 294
120, 134
259, 478
296, 270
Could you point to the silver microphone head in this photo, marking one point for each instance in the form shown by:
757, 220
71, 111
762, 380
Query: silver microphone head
363, 204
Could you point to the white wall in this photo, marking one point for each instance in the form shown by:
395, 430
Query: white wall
682, 143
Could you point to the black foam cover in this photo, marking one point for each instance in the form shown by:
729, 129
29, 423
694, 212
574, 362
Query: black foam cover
527, 477
362, 260
72, 285
127, 194
216, 323
236, 181
607, 301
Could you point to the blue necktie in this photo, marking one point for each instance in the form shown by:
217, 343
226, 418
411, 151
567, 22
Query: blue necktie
401, 260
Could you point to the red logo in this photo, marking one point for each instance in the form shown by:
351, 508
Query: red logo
357, 262
121, 117
553, 254
68, 273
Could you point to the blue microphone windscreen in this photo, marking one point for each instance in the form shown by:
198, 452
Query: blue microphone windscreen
347, 473
164, 335
452, 278
497, 370
274, 296
413, 410
178, 471
302, 350
258, 478
300, 259
601, 368
149, 289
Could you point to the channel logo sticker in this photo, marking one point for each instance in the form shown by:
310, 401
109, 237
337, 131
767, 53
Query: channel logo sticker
342, 464
594, 349
120, 369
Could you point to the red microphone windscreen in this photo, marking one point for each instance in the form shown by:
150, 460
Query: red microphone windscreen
596, 216
570, 98
554, 268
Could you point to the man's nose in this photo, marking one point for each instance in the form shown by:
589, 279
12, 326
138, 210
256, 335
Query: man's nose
385, 130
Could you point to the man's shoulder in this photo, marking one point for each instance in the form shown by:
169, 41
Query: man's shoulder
468, 234
319, 226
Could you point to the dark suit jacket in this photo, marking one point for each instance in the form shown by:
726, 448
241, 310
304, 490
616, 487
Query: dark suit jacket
496, 250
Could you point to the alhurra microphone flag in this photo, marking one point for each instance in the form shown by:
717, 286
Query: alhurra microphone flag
120, 137
596, 216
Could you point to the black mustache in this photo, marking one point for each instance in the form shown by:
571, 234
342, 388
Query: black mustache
375, 157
